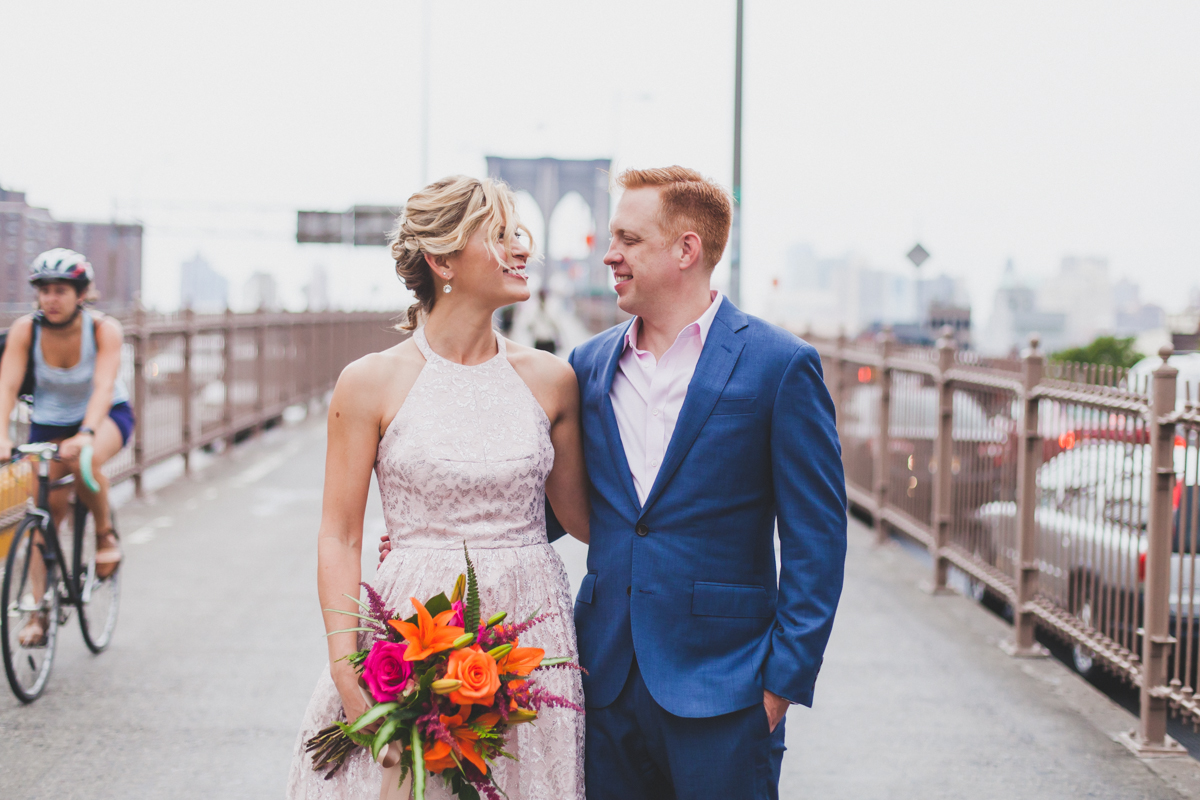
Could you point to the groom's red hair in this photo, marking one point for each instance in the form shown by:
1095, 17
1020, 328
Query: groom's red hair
689, 201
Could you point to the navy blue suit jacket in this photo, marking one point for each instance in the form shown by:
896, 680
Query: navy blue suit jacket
688, 580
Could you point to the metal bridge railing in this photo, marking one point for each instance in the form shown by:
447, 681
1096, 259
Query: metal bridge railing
1068, 491
197, 379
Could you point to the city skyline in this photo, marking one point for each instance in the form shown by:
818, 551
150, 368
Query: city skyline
1020, 132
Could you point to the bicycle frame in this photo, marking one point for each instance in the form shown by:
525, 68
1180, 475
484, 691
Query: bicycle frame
52, 551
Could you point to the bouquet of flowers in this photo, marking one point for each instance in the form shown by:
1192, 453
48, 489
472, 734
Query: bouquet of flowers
447, 687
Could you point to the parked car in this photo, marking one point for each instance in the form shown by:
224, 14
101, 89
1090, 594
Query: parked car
1091, 517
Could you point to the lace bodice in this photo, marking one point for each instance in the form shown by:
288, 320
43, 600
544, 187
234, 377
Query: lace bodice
466, 457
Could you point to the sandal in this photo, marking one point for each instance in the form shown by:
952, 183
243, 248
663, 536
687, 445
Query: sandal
34, 632
108, 553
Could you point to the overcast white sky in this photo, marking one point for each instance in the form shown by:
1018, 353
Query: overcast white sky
1029, 130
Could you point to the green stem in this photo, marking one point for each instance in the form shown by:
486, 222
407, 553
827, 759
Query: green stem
418, 765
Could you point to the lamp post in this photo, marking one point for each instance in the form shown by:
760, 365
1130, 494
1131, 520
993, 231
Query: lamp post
735, 235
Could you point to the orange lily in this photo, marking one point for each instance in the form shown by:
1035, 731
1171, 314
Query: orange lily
521, 660
430, 635
439, 756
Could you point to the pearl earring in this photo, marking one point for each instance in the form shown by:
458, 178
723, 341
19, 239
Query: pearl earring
446, 288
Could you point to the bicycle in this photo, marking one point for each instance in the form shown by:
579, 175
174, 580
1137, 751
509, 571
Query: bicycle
35, 541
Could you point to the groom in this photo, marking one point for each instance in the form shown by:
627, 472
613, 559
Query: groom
705, 429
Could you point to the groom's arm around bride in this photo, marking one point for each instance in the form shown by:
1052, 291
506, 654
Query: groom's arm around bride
704, 428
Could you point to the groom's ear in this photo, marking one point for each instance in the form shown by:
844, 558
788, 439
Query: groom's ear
691, 250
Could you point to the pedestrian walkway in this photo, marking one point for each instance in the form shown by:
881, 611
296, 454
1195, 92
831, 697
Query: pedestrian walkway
220, 643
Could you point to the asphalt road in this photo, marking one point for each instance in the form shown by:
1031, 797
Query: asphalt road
220, 641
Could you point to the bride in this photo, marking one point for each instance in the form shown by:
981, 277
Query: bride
467, 434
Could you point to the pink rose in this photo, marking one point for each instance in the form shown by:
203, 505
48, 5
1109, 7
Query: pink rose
385, 671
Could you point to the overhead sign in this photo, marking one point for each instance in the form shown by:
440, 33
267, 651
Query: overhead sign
372, 224
321, 227
363, 226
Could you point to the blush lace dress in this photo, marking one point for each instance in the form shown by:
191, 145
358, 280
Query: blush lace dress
466, 458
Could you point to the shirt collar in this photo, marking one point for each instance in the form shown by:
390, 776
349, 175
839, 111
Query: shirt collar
700, 327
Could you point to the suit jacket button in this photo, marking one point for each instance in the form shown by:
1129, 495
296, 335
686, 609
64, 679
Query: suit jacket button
629, 590
641, 529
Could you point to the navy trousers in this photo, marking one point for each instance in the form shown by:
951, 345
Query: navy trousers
638, 751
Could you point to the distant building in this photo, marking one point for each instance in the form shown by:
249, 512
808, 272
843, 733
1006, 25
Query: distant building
1016, 317
114, 250
1083, 292
316, 291
261, 292
845, 294
1132, 315
202, 288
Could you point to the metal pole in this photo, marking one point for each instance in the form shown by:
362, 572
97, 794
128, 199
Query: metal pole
944, 456
735, 234
189, 332
1157, 641
885, 442
228, 377
426, 27
140, 398
1024, 645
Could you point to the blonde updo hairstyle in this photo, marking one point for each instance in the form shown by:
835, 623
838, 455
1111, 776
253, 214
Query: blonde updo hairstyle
439, 220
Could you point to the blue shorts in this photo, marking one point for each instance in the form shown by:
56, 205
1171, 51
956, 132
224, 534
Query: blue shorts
121, 413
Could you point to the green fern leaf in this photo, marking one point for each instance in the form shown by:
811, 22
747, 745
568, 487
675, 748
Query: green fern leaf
471, 612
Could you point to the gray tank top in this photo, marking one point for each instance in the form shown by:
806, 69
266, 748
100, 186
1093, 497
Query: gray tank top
60, 396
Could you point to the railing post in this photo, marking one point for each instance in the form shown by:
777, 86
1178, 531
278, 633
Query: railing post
884, 451
1023, 644
228, 377
943, 458
1157, 642
838, 364
260, 366
139, 396
189, 333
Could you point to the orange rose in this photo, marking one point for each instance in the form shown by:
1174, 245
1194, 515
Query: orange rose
478, 673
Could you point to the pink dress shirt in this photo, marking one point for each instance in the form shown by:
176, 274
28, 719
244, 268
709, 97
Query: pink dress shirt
647, 395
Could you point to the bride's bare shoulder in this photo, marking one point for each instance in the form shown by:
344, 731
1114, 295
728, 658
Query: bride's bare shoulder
550, 378
380, 381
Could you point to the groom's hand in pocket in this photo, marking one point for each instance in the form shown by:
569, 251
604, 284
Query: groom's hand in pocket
385, 547
776, 707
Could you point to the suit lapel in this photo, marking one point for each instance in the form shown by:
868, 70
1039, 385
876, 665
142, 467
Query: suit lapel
721, 351
608, 419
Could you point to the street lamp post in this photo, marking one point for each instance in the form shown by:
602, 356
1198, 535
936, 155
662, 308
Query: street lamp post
735, 236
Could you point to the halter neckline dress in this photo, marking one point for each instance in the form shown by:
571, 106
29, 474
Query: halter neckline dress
466, 459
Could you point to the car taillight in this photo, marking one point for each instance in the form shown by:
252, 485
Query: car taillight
1142, 568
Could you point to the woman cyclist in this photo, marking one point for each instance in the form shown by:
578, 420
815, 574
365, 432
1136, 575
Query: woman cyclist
78, 396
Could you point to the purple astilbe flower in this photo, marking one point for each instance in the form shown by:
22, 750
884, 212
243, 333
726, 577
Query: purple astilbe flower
432, 726
486, 789
539, 698
505, 634
379, 611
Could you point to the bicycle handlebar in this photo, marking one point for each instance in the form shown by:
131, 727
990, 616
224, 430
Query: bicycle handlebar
43, 449
85, 468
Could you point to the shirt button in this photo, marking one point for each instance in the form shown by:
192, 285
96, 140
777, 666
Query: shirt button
653, 465
655, 412
641, 529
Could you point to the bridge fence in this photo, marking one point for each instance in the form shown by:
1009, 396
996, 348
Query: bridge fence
198, 379
1069, 492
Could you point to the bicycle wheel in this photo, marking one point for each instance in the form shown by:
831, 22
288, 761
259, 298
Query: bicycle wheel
100, 597
28, 665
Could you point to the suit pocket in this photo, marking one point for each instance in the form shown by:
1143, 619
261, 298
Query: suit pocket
586, 588
734, 405
730, 600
